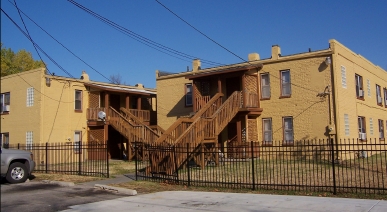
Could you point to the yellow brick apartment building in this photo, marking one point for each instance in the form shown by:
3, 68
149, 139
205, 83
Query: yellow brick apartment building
38, 108
328, 93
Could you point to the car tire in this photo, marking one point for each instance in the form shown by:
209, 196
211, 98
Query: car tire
17, 173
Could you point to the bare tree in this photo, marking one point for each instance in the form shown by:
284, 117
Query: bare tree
116, 79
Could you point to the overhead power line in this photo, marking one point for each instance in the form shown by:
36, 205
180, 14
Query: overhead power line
148, 42
58, 42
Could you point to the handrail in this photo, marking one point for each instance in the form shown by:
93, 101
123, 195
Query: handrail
137, 120
181, 125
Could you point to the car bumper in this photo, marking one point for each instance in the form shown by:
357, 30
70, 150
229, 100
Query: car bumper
32, 166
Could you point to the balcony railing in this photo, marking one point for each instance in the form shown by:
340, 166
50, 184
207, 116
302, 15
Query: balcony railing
142, 115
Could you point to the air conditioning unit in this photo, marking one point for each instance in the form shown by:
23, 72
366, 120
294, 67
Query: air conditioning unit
379, 99
362, 136
6, 108
361, 93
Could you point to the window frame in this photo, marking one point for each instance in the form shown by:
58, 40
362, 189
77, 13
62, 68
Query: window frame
80, 100
4, 101
285, 131
29, 140
264, 131
379, 94
188, 94
343, 76
385, 97
381, 130
282, 86
361, 120
347, 131
262, 85
30, 97
359, 86
77, 144
4, 139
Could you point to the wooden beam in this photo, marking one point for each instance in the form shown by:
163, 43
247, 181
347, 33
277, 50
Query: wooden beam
219, 85
127, 101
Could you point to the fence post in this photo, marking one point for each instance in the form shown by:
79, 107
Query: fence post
252, 164
175, 162
188, 169
18, 145
79, 158
107, 159
333, 166
135, 161
46, 157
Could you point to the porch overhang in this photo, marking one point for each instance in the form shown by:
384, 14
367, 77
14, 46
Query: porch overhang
219, 71
120, 89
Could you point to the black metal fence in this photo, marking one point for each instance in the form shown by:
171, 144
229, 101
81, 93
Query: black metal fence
86, 159
346, 166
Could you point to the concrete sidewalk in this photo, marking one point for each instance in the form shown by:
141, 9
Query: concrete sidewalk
175, 201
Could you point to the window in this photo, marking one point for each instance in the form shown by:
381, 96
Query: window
362, 129
288, 129
385, 96
4, 140
30, 97
378, 95
285, 84
77, 142
371, 126
346, 124
343, 77
267, 130
369, 88
359, 87
381, 130
188, 94
5, 101
29, 140
78, 100
265, 86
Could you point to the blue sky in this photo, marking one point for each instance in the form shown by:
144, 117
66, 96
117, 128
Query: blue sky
242, 26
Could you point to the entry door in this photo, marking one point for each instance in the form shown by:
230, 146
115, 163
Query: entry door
232, 84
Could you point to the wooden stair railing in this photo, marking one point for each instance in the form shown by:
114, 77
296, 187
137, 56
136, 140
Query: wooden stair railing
182, 124
148, 132
200, 130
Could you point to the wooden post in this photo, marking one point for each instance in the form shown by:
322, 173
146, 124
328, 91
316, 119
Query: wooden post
139, 103
127, 99
219, 85
193, 96
202, 156
244, 91
239, 130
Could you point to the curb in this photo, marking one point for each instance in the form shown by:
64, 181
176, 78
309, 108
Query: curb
60, 183
128, 192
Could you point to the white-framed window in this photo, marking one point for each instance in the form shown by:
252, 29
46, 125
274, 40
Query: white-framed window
369, 88
285, 83
371, 126
361, 122
78, 100
343, 77
265, 86
188, 94
77, 142
381, 129
385, 96
378, 95
4, 140
5, 101
288, 129
346, 124
30, 97
267, 130
29, 140
359, 86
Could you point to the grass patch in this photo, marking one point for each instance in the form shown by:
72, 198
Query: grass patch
63, 177
119, 167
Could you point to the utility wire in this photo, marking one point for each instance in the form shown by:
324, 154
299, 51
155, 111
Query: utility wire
200, 31
59, 42
223, 46
142, 39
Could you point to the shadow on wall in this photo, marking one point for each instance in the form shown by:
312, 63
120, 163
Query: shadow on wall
180, 109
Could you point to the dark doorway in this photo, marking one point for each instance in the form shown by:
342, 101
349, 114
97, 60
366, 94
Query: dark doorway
115, 144
232, 84
115, 101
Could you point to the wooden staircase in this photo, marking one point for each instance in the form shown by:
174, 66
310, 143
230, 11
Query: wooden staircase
132, 129
204, 129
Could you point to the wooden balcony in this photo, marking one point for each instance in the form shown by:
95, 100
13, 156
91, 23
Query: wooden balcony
92, 114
